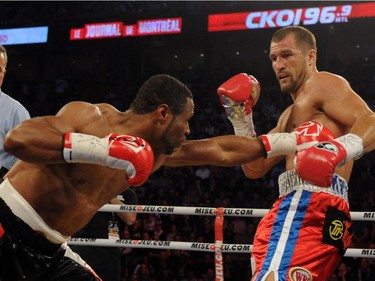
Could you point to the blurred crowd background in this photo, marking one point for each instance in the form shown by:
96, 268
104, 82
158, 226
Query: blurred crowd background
43, 77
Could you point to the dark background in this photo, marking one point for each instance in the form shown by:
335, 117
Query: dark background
119, 64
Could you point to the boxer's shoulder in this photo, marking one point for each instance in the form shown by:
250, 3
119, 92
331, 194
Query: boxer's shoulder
77, 112
324, 81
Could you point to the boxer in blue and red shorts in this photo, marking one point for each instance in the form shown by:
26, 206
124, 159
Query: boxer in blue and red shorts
327, 126
300, 235
318, 137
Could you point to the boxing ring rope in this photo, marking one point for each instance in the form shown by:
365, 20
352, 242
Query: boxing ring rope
184, 210
191, 246
218, 247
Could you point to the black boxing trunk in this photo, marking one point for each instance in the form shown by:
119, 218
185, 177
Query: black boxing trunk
27, 255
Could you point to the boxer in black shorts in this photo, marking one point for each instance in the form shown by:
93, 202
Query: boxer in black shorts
73, 163
27, 255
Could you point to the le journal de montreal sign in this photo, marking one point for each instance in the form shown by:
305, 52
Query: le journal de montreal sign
118, 29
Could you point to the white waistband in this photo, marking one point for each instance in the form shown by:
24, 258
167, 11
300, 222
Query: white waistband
289, 181
22, 209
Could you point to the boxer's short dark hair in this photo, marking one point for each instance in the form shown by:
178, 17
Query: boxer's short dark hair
161, 89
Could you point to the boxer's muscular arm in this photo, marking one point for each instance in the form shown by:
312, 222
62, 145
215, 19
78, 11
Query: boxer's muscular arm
262, 166
40, 139
76, 135
350, 109
346, 108
238, 95
225, 151
129, 198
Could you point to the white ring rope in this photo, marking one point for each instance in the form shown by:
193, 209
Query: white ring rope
183, 210
196, 246
156, 244
191, 246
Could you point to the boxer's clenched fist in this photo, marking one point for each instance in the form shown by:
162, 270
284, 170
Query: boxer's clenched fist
238, 96
317, 164
132, 154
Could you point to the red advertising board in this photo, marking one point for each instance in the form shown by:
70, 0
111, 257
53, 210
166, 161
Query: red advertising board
285, 17
118, 29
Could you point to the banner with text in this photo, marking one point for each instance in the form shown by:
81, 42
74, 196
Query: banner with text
118, 29
26, 35
286, 17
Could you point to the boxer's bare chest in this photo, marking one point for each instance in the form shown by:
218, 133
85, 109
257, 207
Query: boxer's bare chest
300, 113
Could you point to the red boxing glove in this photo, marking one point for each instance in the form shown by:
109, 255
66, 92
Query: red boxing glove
238, 95
123, 152
317, 164
310, 133
306, 135
133, 154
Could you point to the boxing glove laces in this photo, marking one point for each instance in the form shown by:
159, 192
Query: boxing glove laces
307, 134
